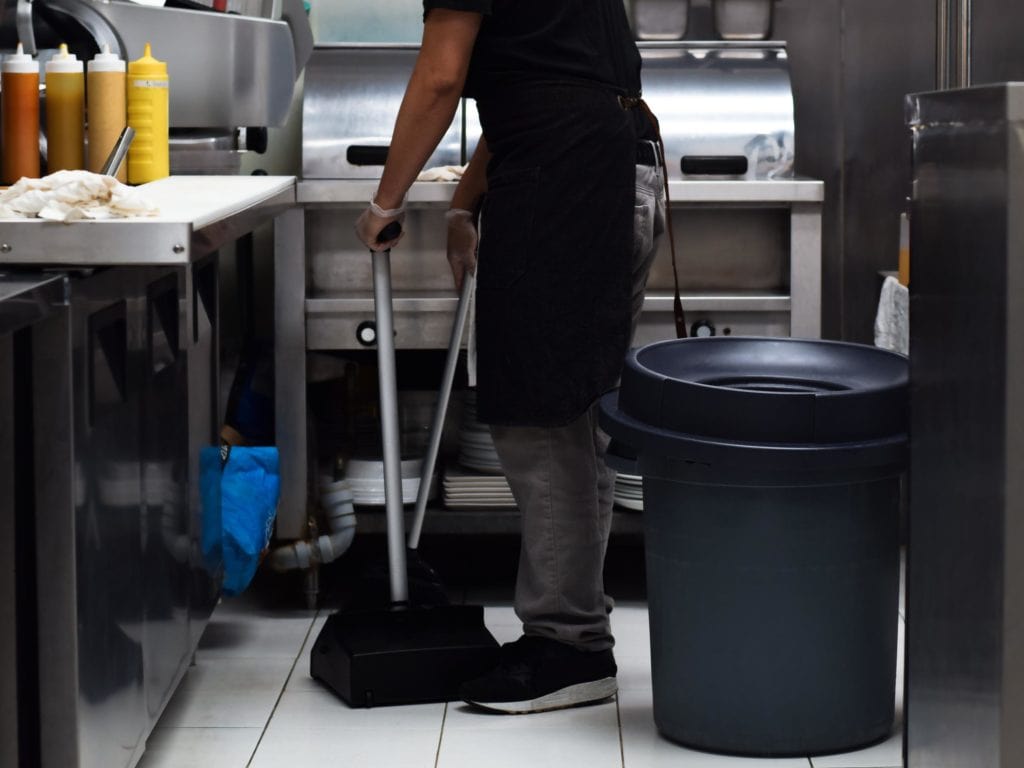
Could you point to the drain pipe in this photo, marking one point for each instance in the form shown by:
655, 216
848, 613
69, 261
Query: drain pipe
341, 521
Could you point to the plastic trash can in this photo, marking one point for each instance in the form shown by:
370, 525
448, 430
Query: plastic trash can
771, 471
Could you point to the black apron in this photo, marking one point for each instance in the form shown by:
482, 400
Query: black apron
553, 290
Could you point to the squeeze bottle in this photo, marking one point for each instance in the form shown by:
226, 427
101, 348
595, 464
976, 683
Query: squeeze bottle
105, 102
148, 114
65, 112
19, 117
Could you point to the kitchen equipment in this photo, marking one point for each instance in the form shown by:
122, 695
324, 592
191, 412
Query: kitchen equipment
743, 19
660, 19
965, 687
402, 653
235, 75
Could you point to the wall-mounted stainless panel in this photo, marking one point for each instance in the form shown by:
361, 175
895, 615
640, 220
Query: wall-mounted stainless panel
965, 572
352, 96
107, 339
225, 69
722, 101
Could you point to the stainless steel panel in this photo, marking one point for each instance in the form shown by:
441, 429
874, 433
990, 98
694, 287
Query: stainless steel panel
8, 613
996, 54
812, 31
965, 620
234, 70
201, 325
726, 249
888, 49
743, 19
660, 19
660, 326
60, 488
166, 544
108, 338
290, 340
722, 101
352, 96
338, 262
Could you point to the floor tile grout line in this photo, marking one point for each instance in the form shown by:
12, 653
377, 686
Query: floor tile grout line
440, 738
618, 720
284, 687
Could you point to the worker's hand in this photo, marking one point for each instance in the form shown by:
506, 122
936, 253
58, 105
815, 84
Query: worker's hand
373, 220
462, 243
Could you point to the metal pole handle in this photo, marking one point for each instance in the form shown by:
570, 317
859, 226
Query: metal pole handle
389, 421
443, 398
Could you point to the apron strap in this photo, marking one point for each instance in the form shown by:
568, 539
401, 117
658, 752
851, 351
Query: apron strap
677, 302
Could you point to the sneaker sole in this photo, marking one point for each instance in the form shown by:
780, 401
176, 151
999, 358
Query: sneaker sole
571, 696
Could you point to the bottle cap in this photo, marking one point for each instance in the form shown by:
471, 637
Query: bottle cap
147, 66
105, 61
20, 63
64, 62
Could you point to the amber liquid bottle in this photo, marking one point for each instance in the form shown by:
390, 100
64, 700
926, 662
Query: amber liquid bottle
105, 97
65, 113
19, 117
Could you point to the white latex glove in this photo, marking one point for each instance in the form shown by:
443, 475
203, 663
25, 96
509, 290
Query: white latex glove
462, 243
373, 220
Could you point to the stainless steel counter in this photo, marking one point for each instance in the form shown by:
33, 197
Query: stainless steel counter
198, 214
123, 395
346, 192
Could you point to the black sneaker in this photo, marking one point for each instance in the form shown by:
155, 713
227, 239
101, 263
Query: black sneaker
536, 674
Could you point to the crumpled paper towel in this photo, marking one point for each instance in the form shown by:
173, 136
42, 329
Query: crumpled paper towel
442, 173
72, 196
892, 323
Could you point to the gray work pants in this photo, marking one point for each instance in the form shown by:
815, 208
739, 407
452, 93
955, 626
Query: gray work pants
564, 489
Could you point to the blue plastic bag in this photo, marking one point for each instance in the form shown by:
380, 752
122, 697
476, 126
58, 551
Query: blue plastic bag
237, 526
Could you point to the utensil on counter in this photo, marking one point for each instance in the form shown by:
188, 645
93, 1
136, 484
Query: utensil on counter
117, 154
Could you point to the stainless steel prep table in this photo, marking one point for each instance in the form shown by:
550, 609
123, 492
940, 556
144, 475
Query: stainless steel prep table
423, 317
31, 314
123, 593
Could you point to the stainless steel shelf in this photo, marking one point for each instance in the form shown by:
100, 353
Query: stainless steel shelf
430, 194
481, 521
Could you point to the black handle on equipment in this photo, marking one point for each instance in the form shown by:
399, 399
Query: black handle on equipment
714, 165
390, 232
361, 154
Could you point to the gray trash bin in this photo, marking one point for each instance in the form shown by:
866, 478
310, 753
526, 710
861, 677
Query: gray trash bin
771, 471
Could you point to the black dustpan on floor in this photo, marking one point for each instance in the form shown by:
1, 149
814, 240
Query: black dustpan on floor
403, 653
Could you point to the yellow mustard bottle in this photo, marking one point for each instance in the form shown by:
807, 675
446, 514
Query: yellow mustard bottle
19, 117
65, 112
105, 108
149, 114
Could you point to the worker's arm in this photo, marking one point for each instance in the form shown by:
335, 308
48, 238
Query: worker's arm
473, 184
430, 102
462, 233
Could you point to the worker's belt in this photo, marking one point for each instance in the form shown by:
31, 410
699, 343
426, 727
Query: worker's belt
647, 154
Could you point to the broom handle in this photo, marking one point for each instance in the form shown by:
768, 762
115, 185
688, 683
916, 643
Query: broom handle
443, 397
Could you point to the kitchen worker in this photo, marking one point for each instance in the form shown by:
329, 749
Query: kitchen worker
568, 223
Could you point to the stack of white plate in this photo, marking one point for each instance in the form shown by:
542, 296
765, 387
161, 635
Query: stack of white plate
472, 490
476, 448
629, 491
366, 479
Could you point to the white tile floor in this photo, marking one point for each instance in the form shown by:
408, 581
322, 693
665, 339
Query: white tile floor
249, 701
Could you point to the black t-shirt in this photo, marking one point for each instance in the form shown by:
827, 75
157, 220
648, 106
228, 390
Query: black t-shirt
531, 41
